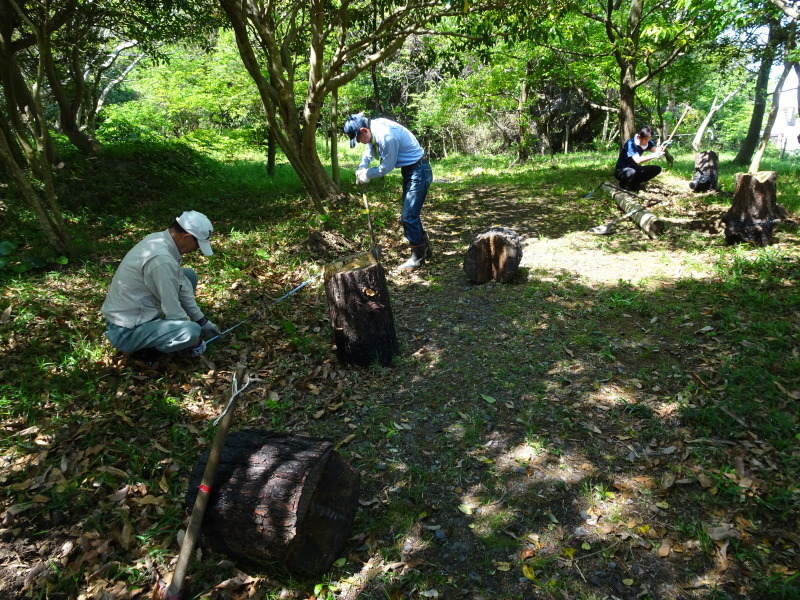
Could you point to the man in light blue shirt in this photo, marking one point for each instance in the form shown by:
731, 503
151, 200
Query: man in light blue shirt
396, 146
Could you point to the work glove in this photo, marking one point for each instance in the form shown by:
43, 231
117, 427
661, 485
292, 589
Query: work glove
659, 153
198, 350
361, 177
208, 328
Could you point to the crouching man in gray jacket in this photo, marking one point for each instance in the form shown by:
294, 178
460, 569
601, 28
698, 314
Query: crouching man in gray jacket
150, 307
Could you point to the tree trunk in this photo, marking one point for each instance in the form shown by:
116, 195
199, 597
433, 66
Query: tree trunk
281, 498
335, 137
706, 172
523, 113
52, 223
698, 137
748, 147
271, 152
754, 213
494, 254
361, 314
773, 114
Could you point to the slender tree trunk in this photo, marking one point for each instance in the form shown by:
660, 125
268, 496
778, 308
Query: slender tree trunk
68, 109
51, 222
701, 131
335, 136
748, 147
773, 114
626, 59
522, 125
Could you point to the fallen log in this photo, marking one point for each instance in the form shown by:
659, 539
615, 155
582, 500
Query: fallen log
361, 314
494, 254
754, 213
644, 219
283, 498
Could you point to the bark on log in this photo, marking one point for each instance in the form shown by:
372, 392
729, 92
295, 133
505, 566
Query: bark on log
754, 213
361, 314
706, 172
494, 254
282, 498
644, 219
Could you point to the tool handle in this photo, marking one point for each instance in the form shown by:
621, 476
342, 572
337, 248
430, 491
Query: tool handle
175, 588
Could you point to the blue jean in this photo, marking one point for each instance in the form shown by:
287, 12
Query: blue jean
162, 334
417, 179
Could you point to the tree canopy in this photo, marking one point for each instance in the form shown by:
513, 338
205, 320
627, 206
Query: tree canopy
527, 78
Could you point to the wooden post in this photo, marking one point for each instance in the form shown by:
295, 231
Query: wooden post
754, 213
361, 314
204, 484
644, 219
494, 254
284, 498
706, 172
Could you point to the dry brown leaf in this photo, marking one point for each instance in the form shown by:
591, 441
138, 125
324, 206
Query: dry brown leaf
705, 480
665, 548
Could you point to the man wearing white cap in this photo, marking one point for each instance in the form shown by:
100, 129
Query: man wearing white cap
150, 307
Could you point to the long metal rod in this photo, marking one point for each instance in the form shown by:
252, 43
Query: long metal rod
297, 289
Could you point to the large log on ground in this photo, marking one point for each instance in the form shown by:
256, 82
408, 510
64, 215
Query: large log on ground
754, 213
706, 172
644, 219
361, 314
281, 498
494, 254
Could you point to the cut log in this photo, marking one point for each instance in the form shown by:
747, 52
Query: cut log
706, 172
361, 314
644, 219
494, 254
282, 498
754, 213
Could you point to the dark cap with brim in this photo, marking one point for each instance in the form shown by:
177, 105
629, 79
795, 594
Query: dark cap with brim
353, 125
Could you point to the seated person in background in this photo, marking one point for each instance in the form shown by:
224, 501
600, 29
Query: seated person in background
630, 170
150, 308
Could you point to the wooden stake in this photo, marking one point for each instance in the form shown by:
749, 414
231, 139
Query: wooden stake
174, 590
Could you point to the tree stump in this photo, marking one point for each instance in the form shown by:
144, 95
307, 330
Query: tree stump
754, 213
281, 498
644, 219
494, 254
706, 172
361, 314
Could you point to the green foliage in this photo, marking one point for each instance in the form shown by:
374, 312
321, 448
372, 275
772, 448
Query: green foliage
191, 88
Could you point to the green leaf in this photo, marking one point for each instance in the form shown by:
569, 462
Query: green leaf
7, 247
61, 260
340, 562
289, 327
489, 399
262, 254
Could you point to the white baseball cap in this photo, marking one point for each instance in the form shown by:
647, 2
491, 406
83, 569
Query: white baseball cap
200, 227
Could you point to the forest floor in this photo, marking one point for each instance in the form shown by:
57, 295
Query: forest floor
601, 427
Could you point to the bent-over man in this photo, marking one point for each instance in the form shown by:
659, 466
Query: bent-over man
396, 146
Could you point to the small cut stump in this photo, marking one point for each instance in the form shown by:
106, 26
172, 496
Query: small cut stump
282, 498
754, 213
494, 254
644, 219
706, 172
361, 314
